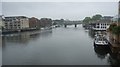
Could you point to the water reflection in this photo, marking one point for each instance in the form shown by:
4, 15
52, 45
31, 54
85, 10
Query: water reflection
92, 33
105, 52
55, 46
24, 37
0, 50
101, 51
114, 59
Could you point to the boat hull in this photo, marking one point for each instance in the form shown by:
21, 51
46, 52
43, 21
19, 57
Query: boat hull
101, 45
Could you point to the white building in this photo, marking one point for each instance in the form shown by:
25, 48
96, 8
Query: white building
16, 23
102, 24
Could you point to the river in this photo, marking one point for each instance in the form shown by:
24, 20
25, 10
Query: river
59, 46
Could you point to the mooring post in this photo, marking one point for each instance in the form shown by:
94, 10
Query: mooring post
65, 25
75, 25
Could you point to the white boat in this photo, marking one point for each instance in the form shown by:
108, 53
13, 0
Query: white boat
101, 41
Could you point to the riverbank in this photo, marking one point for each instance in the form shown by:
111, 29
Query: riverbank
17, 31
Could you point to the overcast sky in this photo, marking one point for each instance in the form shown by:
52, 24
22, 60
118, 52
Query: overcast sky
0, 8
60, 0
58, 10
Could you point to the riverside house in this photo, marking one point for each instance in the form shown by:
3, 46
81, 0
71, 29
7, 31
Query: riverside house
14, 23
103, 24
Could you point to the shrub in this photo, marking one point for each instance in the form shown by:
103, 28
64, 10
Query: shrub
112, 26
116, 29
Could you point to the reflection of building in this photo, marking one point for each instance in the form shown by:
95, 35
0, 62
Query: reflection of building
21, 37
102, 24
24, 37
16, 23
34, 23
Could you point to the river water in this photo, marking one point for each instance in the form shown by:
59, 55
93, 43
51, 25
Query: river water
59, 46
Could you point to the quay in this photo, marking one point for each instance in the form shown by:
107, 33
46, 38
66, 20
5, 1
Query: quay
17, 31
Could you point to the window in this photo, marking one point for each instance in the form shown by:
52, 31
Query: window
97, 26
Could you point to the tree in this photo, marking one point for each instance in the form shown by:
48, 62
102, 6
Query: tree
112, 26
96, 17
87, 19
116, 30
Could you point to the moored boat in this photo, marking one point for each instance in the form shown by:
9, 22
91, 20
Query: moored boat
101, 41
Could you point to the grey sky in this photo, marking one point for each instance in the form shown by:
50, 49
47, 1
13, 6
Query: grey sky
60, 0
0, 8
58, 10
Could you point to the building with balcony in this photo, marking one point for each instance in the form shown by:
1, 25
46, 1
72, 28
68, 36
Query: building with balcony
16, 23
102, 24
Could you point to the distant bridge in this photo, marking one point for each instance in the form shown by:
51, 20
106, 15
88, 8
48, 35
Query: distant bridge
66, 23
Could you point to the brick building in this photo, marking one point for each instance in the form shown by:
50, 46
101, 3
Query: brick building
34, 23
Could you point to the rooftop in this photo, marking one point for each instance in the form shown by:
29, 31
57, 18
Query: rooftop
16, 17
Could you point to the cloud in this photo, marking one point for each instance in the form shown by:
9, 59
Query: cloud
0, 8
67, 10
60, 0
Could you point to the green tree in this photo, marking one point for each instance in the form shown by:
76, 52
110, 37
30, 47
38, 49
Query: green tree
87, 19
116, 30
96, 17
112, 26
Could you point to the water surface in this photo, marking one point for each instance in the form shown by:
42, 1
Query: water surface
59, 46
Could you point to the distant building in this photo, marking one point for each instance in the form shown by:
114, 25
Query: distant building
45, 22
16, 23
106, 18
102, 24
58, 22
34, 23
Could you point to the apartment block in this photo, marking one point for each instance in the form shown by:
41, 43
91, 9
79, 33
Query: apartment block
16, 23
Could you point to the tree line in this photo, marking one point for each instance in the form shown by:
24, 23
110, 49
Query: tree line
93, 18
